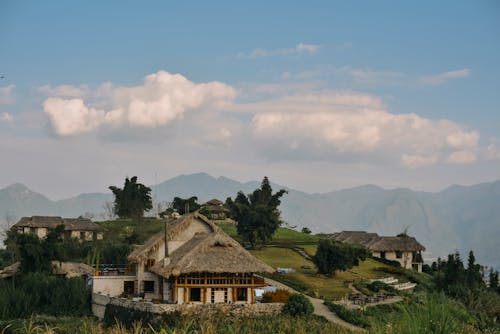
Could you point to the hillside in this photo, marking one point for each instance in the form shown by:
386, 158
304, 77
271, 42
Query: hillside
459, 217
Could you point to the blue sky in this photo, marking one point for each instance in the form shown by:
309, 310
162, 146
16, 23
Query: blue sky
388, 92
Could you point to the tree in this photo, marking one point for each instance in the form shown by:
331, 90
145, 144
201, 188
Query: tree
333, 255
133, 200
494, 280
473, 273
257, 214
183, 206
306, 230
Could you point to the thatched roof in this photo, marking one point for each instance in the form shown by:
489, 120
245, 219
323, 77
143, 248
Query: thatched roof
213, 252
141, 252
214, 201
376, 243
70, 224
403, 243
355, 237
69, 269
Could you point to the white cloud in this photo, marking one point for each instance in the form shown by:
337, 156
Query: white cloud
445, 76
362, 75
162, 98
462, 157
330, 125
64, 90
7, 94
493, 151
6, 117
301, 48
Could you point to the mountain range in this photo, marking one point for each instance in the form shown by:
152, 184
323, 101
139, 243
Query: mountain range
458, 218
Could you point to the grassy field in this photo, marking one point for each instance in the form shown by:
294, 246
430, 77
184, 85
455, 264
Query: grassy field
121, 228
282, 236
322, 286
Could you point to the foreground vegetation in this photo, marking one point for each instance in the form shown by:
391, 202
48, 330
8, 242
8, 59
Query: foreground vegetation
217, 324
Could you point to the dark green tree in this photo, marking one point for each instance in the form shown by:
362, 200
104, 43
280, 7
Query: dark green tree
257, 214
133, 200
494, 280
332, 256
185, 205
306, 230
473, 273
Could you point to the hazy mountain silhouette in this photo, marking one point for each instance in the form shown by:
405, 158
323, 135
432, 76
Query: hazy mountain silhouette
457, 218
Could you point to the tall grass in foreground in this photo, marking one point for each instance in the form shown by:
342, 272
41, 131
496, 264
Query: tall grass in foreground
218, 324
432, 314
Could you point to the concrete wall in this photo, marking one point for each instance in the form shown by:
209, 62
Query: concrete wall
99, 303
110, 285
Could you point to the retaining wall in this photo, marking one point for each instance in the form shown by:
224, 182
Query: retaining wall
99, 303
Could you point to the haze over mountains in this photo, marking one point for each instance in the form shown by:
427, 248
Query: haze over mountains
457, 218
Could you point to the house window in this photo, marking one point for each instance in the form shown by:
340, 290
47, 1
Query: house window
195, 294
128, 287
149, 286
82, 235
241, 294
382, 255
399, 254
150, 263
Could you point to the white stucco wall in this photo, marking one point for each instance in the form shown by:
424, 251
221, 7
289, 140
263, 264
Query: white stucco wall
110, 285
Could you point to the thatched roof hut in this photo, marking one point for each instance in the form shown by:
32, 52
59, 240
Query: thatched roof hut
401, 243
210, 252
70, 224
215, 202
68, 269
355, 237
376, 243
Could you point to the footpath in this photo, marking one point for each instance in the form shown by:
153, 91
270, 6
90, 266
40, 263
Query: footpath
319, 307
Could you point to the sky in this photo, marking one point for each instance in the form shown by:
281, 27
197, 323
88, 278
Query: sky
317, 95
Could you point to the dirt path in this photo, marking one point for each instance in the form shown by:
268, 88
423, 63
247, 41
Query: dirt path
319, 307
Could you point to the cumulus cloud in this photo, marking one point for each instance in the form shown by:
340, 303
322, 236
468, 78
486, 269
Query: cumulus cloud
445, 76
348, 123
6, 117
162, 98
64, 90
301, 48
7, 94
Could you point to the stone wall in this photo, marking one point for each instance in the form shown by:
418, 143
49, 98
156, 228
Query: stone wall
99, 303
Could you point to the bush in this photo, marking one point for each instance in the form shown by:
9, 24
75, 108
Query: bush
388, 262
352, 316
298, 305
279, 296
377, 286
43, 293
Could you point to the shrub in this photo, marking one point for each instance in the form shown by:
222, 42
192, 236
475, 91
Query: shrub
377, 286
279, 296
298, 305
352, 316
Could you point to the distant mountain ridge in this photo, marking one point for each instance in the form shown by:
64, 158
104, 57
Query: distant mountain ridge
457, 218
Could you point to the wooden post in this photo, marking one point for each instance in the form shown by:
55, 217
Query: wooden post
252, 290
